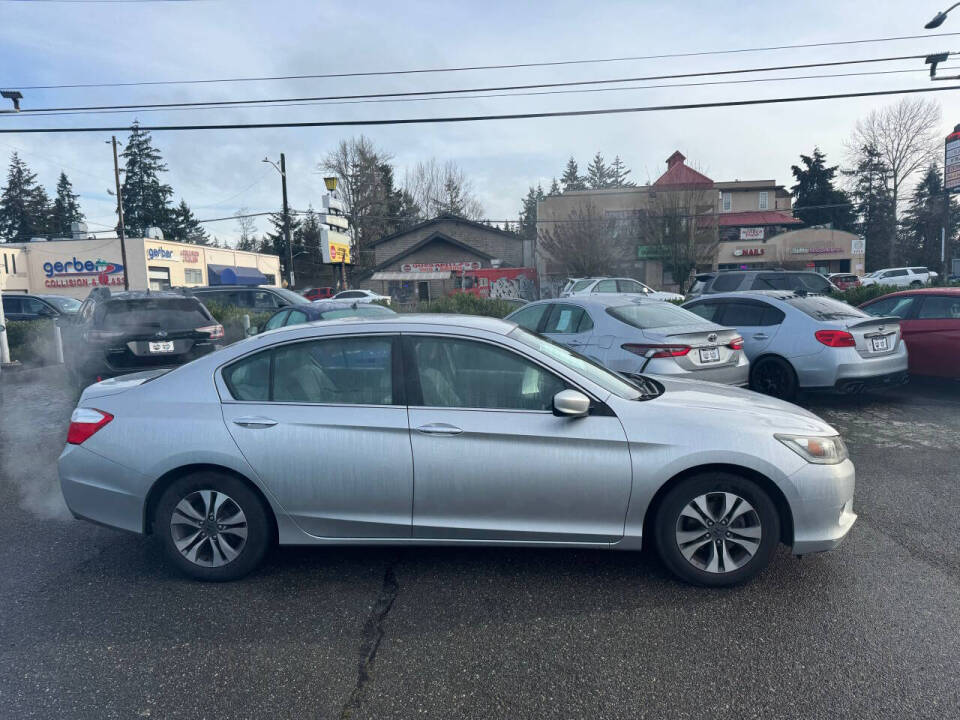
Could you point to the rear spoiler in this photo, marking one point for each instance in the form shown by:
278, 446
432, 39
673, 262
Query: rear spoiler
876, 321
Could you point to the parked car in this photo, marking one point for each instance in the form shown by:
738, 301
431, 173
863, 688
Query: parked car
362, 296
257, 298
118, 333
739, 280
567, 285
623, 286
38, 307
900, 277
640, 336
331, 310
930, 325
318, 434
797, 341
844, 281
320, 293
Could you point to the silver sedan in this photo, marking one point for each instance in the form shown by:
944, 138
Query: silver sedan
317, 434
633, 336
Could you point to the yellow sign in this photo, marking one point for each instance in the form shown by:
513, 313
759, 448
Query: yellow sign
335, 246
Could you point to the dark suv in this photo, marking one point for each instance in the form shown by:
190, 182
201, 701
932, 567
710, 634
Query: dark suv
125, 332
249, 297
38, 307
733, 280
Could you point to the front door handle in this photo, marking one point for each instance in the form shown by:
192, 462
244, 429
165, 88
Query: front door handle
759, 336
254, 422
439, 429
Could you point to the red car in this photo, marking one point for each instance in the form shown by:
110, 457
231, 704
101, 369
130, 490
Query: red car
930, 325
844, 281
321, 293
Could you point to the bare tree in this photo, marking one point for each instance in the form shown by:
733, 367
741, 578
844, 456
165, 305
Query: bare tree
439, 188
588, 243
248, 228
905, 135
680, 228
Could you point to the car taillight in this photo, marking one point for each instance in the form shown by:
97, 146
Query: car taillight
657, 351
736, 344
84, 422
215, 331
102, 335
835, 338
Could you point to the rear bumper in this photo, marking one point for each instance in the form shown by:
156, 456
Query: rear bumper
100, 490
844, 368
823, 513
738, 375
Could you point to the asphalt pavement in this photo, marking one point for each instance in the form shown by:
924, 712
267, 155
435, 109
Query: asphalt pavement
95, 624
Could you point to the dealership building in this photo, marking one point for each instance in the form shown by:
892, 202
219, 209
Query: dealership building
74, 267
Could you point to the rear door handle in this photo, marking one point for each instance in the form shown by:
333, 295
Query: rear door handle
759, 336
439, 429
254, 422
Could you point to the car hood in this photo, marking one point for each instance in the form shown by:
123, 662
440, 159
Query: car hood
712, 403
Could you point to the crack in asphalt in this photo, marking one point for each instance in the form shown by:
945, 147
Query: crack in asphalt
372, 636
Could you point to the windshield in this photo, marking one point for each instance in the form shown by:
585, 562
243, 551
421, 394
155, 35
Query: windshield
170, 314
825, 308
654, 315
578, 363
291, 297
370, 310
64, 304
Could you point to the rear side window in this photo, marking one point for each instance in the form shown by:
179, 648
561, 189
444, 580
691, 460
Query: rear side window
725, 282
706, 310
296, 318
774, 281
249, 379
567, 319
812, 282
891, 307
529, 317
159, 313
654, 315
750, 314
12, 305
606, 286
940, 307
580, 285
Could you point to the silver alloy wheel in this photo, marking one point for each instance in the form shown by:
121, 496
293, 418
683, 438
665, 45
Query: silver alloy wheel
718, 532
209, 528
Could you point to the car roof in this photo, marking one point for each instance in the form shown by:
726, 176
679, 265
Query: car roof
918, 291
201, 288
757, 295
145, 295
466, 322
601, 301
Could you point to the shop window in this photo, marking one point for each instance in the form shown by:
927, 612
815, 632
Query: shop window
158, 277
763, 201
192, 276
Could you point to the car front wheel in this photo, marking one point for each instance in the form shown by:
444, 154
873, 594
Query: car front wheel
716, 529
213, 526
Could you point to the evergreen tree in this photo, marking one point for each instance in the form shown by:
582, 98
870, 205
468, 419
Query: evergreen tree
873, 205
24, 205
184, 226
554, 188
146, 200
924, 219
815, 190
66, 208
507, 227
598, 174
274, 242
618, 174
571, 178
527, 227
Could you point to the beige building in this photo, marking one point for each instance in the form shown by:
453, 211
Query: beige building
74, 267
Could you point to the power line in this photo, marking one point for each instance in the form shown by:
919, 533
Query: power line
483, 118
510, 66
459, 91
822, 76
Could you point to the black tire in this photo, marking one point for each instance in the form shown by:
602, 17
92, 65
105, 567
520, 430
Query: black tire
774, 376
667, 523
916, 284
213, 546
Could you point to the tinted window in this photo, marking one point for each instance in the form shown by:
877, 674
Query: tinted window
812, 282
35, 307
261, 300
288, 297
606, 286
725, 282
895, 273
706, 310
351, 294
750, 314
891, 307
12, 304
529, 317
920, 270
654, 315
296, 317
152, 313
249, 379
630, 286
371, 310
567, 319
825, 308
774, 281
275, 321
940, 307
64, 304
468, 374
353, 370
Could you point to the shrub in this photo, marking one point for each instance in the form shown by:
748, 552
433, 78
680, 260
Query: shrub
467, 304
32, 342
231, 317
857, 296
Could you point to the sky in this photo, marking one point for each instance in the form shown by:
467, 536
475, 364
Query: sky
216, 172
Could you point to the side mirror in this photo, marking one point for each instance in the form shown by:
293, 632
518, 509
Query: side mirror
571, 403
252, 330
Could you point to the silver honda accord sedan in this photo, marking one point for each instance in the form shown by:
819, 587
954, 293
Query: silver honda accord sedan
449, 430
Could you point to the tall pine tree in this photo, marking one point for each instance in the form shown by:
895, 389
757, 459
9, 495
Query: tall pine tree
924, 219
274, 241
24, 205
816, 200
146, 200
571, 178
66, 208
873, 205
528, 213
184, 226
598, 174
554, 188
618, 174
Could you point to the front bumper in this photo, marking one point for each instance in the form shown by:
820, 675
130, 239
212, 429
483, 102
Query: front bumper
823, 509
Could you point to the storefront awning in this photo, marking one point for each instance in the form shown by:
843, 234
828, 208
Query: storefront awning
234, 275
411, 276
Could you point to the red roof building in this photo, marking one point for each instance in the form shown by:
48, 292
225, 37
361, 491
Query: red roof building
681, 176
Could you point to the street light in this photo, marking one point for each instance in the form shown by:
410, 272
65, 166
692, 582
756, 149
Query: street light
282, 169
331, 183
16, 96
939, 18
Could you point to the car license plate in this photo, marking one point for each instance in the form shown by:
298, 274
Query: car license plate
161, 347
709, 355
879, 344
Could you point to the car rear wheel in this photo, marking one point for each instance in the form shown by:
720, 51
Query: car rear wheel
213, 526
916, 284
774, 376
716, 529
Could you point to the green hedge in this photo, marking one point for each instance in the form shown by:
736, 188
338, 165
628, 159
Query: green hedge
467, 304
32, 342
859, 295
231, 317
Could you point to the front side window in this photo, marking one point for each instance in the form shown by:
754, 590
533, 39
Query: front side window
530, 316
895, 273
891, 307
940, 307
458, 373
275, 321
567, 319
812, 282
581, 285
631, 286
261, 300
726, 282
296, 317
606, 286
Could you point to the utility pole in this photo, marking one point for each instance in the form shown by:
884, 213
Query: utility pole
286, 221
123, 245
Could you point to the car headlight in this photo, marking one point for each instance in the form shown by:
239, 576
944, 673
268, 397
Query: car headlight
819, 450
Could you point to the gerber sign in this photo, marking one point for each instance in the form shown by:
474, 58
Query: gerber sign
82, 273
